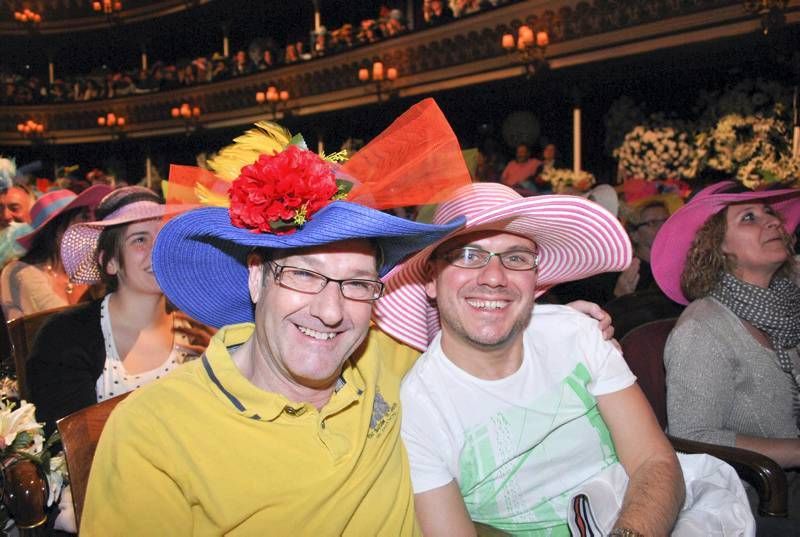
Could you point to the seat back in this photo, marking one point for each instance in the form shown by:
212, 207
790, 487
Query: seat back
636, 309
22, 331
643, 348
80, 432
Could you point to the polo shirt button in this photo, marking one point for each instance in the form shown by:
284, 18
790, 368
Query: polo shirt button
294, 411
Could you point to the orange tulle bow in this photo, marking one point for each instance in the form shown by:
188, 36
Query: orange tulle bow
415, 161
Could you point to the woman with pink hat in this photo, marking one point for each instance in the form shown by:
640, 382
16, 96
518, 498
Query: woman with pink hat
116, 344
124, 340
732, 360
37, 282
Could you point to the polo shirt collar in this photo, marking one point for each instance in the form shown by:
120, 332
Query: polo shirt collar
240, 395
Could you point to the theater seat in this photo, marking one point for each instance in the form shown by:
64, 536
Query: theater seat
80, 433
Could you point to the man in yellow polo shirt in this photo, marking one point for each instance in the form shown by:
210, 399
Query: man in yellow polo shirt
290, 424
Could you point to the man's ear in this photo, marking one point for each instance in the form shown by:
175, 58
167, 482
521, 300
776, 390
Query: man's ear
255, 275
430, 279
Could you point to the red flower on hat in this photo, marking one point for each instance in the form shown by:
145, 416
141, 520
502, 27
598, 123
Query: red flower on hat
279, 192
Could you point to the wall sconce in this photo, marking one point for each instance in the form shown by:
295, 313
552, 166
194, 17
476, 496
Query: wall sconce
771, 13
111, 120
530, 47
382, 80
273, 97
113, 123
108, 7
189, 114
30, 129
28, 18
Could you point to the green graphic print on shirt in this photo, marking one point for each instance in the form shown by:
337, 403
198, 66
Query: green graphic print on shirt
519, 467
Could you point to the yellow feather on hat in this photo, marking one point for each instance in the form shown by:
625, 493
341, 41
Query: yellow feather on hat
267, 138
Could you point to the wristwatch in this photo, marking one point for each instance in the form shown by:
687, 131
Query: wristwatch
624, 532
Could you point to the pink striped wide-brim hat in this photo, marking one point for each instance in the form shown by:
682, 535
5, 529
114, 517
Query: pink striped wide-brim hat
576, 239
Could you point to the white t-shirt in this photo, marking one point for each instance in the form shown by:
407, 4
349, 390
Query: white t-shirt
516, 446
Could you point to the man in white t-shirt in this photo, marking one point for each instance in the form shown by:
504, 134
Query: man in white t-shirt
515, 410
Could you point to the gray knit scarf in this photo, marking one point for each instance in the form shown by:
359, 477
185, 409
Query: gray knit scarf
775, 311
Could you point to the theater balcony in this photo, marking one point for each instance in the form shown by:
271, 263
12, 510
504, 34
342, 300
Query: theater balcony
465, 52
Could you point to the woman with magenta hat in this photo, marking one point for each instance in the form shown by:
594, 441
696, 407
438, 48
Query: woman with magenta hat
37, 282
732, 360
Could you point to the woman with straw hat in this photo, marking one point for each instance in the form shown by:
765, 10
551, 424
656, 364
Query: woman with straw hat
37, 282
124, 340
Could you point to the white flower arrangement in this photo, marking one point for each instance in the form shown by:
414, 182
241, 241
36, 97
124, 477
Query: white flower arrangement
22, 438
657, 153
563, 178
754, 149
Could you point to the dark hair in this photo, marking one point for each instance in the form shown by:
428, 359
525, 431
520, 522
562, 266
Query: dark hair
47, 241
110, 242
705, 261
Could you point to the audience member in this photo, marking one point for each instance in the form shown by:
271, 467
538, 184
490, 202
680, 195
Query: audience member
241, 64
631, 297
436, 12
732, 359
266, 61
368, 32
125, 339
17, 206
521, 171
549, 156
514, 409
37, 281
643, 225
10, 228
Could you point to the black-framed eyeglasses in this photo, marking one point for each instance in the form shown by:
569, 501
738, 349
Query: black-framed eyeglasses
308, 281
473, 258
651, 223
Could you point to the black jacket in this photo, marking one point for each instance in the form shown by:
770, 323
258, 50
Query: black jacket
65, 362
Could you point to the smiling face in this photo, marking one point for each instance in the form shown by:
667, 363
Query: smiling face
133, 266
18, 205
484, 308
755, 241
305, 338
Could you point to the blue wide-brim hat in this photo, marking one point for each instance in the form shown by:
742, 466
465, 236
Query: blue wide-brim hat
200, 258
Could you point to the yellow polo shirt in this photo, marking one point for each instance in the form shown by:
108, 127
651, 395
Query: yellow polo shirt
205, 452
